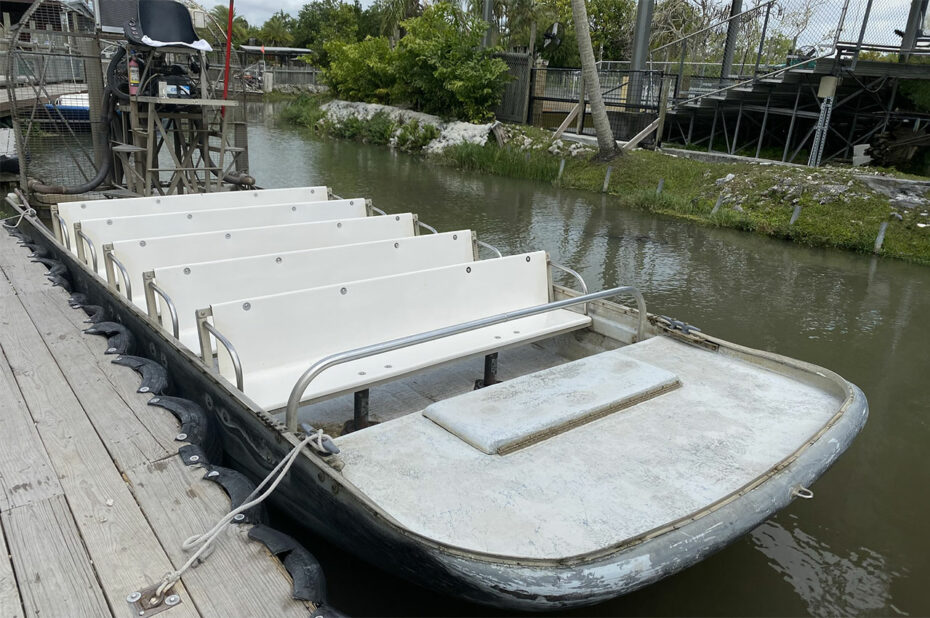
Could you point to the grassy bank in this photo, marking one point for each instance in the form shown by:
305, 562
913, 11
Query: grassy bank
836, 208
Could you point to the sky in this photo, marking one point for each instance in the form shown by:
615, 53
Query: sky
886, 15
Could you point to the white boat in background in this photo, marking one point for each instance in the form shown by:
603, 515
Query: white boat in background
600, 449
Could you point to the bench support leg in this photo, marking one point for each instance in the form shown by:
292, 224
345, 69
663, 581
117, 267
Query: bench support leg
490, 372
361, 410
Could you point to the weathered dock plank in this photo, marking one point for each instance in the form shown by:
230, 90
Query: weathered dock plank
53, 569
11, 606
26, 475
127, 494
118, 537
239, 578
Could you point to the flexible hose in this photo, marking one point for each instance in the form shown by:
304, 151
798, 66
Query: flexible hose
109, 106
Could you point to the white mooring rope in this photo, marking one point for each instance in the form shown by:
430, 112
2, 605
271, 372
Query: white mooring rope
205, 540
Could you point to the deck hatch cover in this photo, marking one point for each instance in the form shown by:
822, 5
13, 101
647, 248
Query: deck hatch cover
513, 414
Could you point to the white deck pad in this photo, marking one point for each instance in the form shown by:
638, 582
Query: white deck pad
603, 482
512, 414
95, 209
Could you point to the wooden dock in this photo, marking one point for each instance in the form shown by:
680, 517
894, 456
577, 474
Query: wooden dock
94, 500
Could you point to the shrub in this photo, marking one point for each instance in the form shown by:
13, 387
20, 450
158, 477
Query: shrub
413, 136
362, 71
443, 68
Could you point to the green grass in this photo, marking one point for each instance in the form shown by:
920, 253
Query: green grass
690, 191
849, 220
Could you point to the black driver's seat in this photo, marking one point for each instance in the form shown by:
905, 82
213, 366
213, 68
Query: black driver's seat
163, 23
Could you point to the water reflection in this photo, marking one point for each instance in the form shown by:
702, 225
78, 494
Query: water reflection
857, 315
850, 584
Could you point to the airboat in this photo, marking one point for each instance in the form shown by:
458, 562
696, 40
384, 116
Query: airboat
455, 415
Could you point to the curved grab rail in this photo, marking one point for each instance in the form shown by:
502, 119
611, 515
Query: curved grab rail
481, 243
377, 210
90, 245
175, 328
576, 275
230, 348
64, 232
122, 269
300, 387
427, 226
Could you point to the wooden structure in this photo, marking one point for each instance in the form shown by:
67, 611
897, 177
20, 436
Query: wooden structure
94, 500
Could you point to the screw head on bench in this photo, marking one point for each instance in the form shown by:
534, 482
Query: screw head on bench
109, 221
190, 216
141, 243
293, 208
187, 271
455, 237
228, 235
246, 306
468, 269
396, 245
278, 260
343, 291
339, 224
527, 258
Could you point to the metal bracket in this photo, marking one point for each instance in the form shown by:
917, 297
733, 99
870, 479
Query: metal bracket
140, 601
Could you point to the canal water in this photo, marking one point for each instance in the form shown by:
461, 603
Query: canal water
862, 545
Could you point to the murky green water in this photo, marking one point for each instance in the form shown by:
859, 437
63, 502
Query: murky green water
862, 545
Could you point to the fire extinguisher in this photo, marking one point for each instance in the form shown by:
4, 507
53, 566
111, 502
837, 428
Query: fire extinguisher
133, 76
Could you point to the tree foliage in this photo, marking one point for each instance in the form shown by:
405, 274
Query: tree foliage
438, 67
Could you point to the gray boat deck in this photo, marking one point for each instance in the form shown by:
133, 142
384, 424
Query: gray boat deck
94, 501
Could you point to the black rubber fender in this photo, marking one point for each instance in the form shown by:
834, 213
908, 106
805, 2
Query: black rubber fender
238, 487
154, 376
193, 455
55, 267
306, 572
38, 251
119, 339
95, 314
16, 233
197, 427
61, 281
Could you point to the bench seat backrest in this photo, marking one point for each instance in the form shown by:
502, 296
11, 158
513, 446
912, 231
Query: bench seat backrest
72, 212
112, 229
306, 325
194, 286
143, 254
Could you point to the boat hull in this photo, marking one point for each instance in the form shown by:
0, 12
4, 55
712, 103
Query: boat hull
315, 496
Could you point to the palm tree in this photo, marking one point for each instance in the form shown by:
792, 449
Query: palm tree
606, 145
277, 30
240, 29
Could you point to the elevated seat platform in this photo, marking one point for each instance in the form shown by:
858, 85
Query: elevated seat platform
94, 233
66, 214
192, 286
276, 338
139, 255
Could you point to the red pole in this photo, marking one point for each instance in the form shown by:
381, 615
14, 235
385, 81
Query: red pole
228, 50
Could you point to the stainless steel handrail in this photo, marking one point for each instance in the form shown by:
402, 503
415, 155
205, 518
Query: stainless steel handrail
377, 210
175, 329
576, 275
427, 226
233, 354
64, 232
90, 244
122, 269
491, 247
300, 387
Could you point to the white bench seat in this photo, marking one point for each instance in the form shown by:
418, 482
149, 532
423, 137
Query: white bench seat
278, 337
112, 229
65, 214
143, 254
270, 388
194, 286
